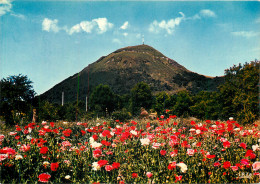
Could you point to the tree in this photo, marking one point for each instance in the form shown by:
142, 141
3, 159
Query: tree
240, 92
183, 103
141, 96
162, 102
16, 96
102, 99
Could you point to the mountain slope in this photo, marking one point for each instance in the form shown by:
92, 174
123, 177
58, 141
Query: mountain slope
125, 67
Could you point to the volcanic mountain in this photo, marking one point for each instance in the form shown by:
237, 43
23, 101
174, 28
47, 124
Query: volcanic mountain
125, 67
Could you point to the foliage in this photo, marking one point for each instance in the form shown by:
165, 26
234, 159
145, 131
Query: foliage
16, 97
162, 102
206, 105
240, 92
48, 111
183, 103
121, 115
141, 96
102, 99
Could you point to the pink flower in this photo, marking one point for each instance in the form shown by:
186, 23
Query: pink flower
66, 143
109, 167
3, 157
217, 164
190, 152
25, 148
149, 174
234, 168
256, 166
245, 161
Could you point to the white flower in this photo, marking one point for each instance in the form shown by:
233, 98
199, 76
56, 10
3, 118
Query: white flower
133, 132
95, 166
46, 163
214, 126
156, 145
67, 177
258, 140
96, 145
28, 137
29, 130
198, 131
183, 167
91, 140
236, 129
255, 147
192, 130
65, 123
18, 157
231, 118
145, 141
117, 126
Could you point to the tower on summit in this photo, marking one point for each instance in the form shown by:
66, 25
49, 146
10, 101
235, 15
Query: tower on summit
143, 39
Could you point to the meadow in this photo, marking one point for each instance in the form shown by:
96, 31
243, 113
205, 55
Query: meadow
165, 150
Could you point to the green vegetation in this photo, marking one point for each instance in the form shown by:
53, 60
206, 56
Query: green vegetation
238, 97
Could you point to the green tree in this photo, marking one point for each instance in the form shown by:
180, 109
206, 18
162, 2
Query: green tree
102, 99
183, 104
162, 102
240, 92
141, 96
48, 111
206, 105
16, 97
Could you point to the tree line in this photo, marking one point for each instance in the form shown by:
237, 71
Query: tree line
237, 97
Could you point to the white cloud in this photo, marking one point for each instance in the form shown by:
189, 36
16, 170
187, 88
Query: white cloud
5, 6
103, 24
246, 34
168, 26
50, 25
125, 25
115, 40
125, 34
100, 25
207, 13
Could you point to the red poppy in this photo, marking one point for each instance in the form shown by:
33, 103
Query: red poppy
44, 150
163, 152
172, 166
226, 165
211, 156
102, 162
54, 166
226, 144
134, 175
243, 145
116, 165
44, 177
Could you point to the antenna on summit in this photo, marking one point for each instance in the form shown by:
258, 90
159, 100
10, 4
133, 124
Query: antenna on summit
143, 39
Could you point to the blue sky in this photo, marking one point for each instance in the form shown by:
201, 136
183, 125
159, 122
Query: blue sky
51, 40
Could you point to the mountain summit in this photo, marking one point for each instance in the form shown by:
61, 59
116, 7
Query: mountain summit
125, 67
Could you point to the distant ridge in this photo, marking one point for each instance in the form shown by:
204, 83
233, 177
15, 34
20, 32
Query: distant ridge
125, 67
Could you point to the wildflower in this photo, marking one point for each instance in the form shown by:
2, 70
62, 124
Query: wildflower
54, 166
226, 165
183, 167
96, 145
234, 168
95, 166
172, 166
3, 157
178, 178
109, 168
67, 177
149, 174
2, 137
102, 162
255, 147
25, 148
163, 152
145, 141
97, 153
134, 175
156, 145
245, 161
44, 150
45, 163
243, 145
44, 177
256, 166
18, 157
226, 144
190, 152
174, 153
116, 165
217, 164
66, 144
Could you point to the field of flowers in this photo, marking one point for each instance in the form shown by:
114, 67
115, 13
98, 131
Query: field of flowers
165, 150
